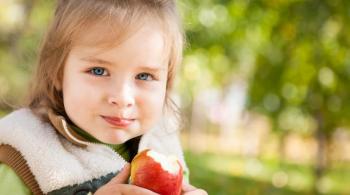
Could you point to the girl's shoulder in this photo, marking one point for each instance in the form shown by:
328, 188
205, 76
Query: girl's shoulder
20, 117
22, 121
22, 128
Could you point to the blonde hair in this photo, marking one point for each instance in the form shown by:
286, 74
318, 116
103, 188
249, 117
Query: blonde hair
119, 19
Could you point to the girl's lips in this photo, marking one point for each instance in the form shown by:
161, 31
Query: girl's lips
118, 122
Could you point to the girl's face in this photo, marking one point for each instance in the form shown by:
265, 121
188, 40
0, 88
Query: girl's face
118, 93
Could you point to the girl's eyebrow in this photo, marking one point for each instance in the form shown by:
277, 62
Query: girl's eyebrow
96, 60
151, 68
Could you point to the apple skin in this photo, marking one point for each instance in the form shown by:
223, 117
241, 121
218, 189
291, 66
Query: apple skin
149, 174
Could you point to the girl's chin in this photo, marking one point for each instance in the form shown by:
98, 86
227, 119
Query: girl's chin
115, 139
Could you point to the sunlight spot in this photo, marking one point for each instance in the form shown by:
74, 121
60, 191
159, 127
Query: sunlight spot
191, 67
12, 13
207, 17
280, 179
331, 29
326, 77
221, 13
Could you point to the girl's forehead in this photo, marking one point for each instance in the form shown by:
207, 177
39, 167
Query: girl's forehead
147, 42
106, 33
100, 34
100, 37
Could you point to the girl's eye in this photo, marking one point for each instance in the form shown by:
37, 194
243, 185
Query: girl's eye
145, 76
98, 71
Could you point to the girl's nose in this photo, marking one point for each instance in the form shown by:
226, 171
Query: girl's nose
122, 97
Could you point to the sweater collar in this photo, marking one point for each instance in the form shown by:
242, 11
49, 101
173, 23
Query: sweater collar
78, 136
61, 125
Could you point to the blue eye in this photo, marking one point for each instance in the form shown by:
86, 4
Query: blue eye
144, 76
98, 71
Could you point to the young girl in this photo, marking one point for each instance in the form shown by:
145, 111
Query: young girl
100, 94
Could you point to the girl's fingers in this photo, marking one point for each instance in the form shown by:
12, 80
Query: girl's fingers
113, 189
187, 187
135, 190
122, 176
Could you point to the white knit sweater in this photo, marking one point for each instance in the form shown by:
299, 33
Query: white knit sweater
55, 162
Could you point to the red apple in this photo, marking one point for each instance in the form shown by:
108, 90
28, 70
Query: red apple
157, 172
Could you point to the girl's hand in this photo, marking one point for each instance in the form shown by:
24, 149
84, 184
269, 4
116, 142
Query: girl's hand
118, 186
188, 189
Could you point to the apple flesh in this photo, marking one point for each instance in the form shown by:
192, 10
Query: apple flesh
157, 172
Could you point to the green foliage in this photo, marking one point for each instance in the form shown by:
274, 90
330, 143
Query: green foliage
22, 25
221, 174
295, 55
305, 66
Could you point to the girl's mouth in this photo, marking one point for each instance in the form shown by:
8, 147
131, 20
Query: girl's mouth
118, 122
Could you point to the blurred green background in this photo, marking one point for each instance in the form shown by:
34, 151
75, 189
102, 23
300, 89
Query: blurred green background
263, 90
